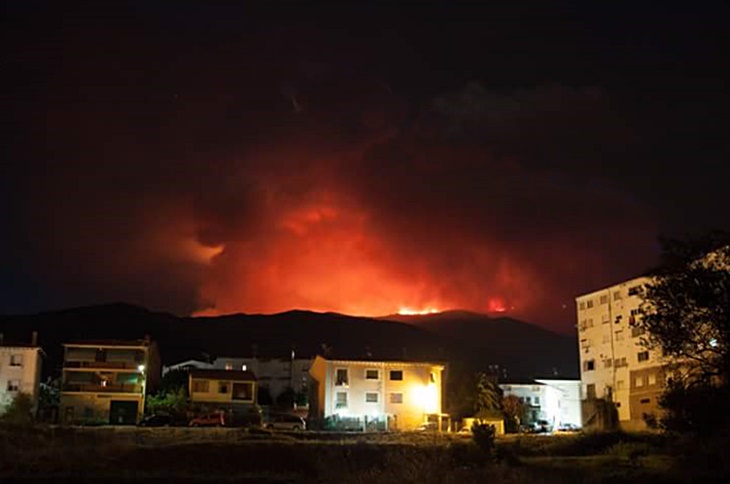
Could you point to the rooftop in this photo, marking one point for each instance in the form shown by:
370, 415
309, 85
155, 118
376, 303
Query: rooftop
234, 375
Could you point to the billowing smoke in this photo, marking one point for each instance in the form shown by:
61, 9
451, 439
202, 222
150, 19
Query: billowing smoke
195, 188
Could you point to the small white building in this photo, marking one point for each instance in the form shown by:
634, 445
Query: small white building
555, 401
20, 371
402, 395
188, 365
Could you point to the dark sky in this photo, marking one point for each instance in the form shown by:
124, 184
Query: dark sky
194, 156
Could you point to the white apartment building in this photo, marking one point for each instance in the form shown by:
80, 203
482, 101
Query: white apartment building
402, 395
20, 371
614, 365
555, 401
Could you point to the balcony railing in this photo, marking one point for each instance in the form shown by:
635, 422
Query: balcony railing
97, 388
112, 365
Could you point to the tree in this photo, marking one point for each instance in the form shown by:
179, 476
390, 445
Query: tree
173, 402
20, 409
174, 380
686, 317
514, 412
488, 401
686, 310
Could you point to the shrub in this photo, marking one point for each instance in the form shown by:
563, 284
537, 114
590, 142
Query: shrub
20, 410
483, 435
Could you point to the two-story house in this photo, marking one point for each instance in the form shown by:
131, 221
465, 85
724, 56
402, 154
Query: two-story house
106, 381
403, 395
20, 370
229, 390
273, 374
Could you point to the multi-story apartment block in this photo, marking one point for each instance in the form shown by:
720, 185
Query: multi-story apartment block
615, 366
274, 374
20, 370
403, 395
106, 381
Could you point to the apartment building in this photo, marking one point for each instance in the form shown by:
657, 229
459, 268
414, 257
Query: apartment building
615, 366
20, 370
401, 395
106, 381
274, 374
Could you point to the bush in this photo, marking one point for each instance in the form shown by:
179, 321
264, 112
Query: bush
20, 410
483, 435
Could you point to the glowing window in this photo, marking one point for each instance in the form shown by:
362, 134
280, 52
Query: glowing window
341, 400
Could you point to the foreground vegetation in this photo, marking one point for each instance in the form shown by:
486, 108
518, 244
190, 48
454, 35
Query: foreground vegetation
225, 454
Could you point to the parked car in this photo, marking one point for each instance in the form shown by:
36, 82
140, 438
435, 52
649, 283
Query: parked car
286, 422
215, 419
568, 428
159, 420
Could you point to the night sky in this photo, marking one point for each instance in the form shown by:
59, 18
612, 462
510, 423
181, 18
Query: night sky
201, 158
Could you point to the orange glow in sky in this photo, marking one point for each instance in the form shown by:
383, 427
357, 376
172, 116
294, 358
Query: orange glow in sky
410, 312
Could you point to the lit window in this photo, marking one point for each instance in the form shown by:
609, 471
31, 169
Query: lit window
341, 400
371, 397
341, 377
372, 374
229, 366
639, 381
643, 356
652, 379
13, 385
396, 398
200, 386
619, 385
396, 375
16, 360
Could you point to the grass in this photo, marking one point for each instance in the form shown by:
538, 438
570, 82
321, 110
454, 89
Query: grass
236, 454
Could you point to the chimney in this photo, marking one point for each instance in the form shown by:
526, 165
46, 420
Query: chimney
34, 338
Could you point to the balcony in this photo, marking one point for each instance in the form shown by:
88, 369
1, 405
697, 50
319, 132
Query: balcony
98, 388
107, 365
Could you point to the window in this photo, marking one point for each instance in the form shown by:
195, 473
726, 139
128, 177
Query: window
528, 400
616, 295
619, 385
635, 291
396, 398
619, 362
652, 379
589, 365
589, 323
341, 400
637, 331
223, 387
372, 374
619, 335
603, 299
635, 312
607, 363
605, 319
639, 381
371, 397
582, 326
341, 377
589, 304
201, 386
585, 344
243, 391
229, 366
645, 400
643, 356
537, 400
16, 360
13, 385
396, 375
582, 306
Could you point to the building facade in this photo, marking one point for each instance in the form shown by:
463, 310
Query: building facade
106, 381
211, 390
615, 367
20, 372
402, 395
557, 402
275, 375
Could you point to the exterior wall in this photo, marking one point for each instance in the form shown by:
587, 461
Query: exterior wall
276, 374
609, 345
26, 376
215, 395
93, 391
187, 365
647, 385
556, 401
417, 395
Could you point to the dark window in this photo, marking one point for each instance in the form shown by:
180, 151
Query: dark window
396, 375
635, 291
645, 400
341, 378
243, 391
223, 387
643, 356
372, 375
589, 365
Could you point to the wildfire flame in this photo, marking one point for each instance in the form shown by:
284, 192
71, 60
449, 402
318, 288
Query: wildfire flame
413, 312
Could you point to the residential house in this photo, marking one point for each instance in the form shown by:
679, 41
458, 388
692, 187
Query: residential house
20, 370
106, 381
187, 365
615, 367
229, 390
276, 375
554, 401
395, 395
